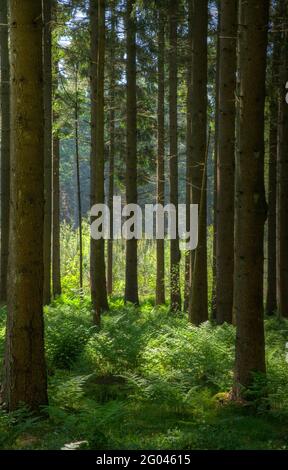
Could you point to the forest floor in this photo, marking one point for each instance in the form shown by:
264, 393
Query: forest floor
148, 380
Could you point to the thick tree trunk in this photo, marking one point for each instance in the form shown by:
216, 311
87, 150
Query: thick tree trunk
47, 64
226, 160
250, 207
5, 147
160, 255
282, 225
198, 305
131, 284
175, 292
98, 281
25, 371
111, 150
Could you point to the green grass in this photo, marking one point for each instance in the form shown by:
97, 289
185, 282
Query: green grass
147, 380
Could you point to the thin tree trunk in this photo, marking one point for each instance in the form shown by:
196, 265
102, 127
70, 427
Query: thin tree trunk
131, 284
25, 370
160, 254
250, 207
271, 299
5, 147
226, 160
111, 150
47, 64
189, 105
282, 225
175, 292
78, 182
56, 254
198, 305
98, 281
213, 299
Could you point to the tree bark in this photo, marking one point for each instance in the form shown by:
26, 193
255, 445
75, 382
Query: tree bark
250, 206
78, 179
47, 65
131, 281
271, 298
98, 280
111, 150
189, 154
282, 225
25, 370
175, 292
160, 254
5, 147
226, 160
56, 253
198, 305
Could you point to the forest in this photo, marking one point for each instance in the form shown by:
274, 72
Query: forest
144, 234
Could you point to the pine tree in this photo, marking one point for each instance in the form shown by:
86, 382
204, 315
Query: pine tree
250, 206
131, 277
5, 147
98, 279
175, 292
198, 305
226, 110
47, 64
160, 267
112, 116
282, 163
25, 372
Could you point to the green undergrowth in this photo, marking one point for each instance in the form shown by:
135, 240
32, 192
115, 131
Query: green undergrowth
146, 380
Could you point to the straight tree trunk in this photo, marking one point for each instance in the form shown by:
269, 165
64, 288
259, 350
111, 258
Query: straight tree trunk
250, 206
282, 225
56, 271
98, 281
189, 105
175, 292
213, 299
198, 305
226, 160
160, 254
5, 147
111, 150
131, 282
47, 64
78, 180
271, 299
25, 371
56, 254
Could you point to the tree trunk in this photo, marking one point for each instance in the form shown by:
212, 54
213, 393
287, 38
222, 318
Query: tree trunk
271, 299
25, 370
98, 280
78, 181
226, 160
250, 207
47, 64
175, 292
160, 254
5, 147
282, 225
111, 150
215, 188
189, 106
131, 284
198, 305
